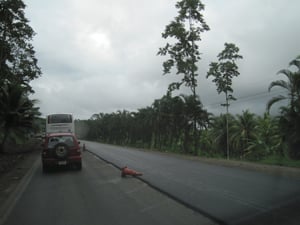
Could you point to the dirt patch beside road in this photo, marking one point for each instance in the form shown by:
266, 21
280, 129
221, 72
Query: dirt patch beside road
285, 171
270, 169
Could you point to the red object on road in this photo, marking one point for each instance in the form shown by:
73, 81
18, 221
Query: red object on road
127, 171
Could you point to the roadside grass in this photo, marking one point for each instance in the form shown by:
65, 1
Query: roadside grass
16, 152
280, 161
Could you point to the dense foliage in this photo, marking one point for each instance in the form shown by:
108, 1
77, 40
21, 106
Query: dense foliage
18, 66
166, 125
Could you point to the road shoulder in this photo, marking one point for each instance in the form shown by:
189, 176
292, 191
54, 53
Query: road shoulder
14, 181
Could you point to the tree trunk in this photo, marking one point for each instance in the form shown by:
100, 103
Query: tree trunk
227, 127
186, 141
3, 142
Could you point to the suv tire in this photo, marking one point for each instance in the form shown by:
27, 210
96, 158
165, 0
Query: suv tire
79, 166
45, 169
61, 151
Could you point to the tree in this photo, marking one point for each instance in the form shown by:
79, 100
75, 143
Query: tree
194, 115
223, 72
292, 86
18, 66
17, 56
184, 54
17, 111
289, 115
243, 132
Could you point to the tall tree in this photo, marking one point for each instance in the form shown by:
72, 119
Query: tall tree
193, 111
291, 85
184, 53
223, 72
17, 56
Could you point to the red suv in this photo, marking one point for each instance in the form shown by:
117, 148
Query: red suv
61, 149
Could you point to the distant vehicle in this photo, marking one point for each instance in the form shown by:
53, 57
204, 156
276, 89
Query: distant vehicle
60, 123
61, 149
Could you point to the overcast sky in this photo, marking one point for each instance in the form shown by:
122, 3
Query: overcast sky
100, 55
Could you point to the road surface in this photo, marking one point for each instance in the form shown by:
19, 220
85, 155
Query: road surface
229, 195
96, 195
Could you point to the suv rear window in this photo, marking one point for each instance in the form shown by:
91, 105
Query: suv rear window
68, 140
60, 118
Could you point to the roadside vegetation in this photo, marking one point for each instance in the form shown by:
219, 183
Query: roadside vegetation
166, 125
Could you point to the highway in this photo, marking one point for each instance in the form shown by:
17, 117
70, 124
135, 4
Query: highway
96, 195
174, 189
228, 195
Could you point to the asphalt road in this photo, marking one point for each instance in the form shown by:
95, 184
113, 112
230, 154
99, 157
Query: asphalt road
96, 195
230, 195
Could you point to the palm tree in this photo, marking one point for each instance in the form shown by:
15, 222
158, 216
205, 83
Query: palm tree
267, 138
207, 143
292, 85
17, 111
243, 132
